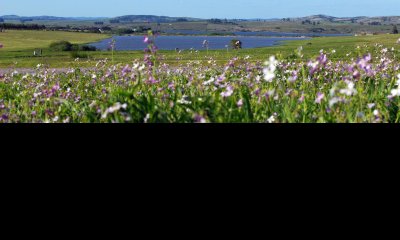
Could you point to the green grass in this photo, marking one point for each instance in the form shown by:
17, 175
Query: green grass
14, 40
19, 46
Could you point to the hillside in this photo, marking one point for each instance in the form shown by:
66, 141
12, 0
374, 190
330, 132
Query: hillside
361, 20
153, 18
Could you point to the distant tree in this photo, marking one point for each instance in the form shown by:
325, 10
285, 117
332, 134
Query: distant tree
1, 20
395, 30
61, 46
21, 26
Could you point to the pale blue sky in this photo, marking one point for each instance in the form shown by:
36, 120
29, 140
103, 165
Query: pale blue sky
201, 8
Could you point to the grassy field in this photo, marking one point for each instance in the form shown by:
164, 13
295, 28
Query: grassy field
19, 46
14, 40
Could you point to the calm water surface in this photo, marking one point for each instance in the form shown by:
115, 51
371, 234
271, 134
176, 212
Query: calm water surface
190, 42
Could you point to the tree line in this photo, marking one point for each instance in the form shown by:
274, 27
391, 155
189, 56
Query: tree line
13, 26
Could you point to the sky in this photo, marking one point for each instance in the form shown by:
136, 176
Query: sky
201, 8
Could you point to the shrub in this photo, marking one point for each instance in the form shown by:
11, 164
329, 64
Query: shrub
66, 46
88, 48
76, 54
61, 46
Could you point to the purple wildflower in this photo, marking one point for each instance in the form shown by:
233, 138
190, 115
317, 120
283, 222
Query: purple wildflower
199, 119
228, 92
320, 97
240, 103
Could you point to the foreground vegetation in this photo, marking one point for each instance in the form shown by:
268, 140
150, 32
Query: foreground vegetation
349, 80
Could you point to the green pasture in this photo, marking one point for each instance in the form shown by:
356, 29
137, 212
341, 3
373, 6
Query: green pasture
19, 46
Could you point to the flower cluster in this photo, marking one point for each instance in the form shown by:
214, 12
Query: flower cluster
363, 88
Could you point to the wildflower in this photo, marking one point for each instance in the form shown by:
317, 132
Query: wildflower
371, 105
322, 59
199, 119
240, 103
272, 119
396, 92
398, 41
116, 107
294, 76
209, 81
228, 92
349, 91
376, 113
1, 45
356, 74
302, 98
184, 100
313, 66
147, 118
269, 71
269, 94
333, 101
320, 97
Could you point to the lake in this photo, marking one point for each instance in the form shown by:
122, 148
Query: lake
124, 43
260, 33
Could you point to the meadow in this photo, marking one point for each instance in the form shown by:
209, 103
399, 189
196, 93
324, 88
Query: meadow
19, 46
321, 80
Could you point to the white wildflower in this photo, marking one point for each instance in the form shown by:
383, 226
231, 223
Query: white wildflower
209, 81
349, 91
269, 71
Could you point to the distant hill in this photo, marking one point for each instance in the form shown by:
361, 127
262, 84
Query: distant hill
361, 19
45, 18
153, 18
166, 19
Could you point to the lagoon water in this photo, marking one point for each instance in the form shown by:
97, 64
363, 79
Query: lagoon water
259, 33
190, 42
